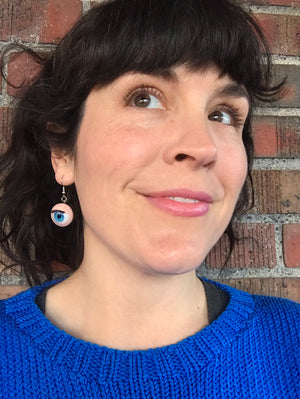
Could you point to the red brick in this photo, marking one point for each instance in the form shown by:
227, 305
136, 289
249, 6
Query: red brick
291, 90
8, 271
255, 249
5, 117
61, 16
292, 3
21, 19
282, 32
265, 138
276, 136
7, 291
291, 96
281, 287
291, 245
45, 21
22, 69
288, 137
4, 19
59, 267
276, 191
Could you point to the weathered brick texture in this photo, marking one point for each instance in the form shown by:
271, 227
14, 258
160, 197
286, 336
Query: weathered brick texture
255, 248
291, 245
21, 71
276, 136
293, 3
281, 287
292, 90
43, 21
275, 191
7, 291
282, 32
5, 117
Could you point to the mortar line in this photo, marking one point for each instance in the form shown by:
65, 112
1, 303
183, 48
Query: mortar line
276, 111
276, 164
273, 9
278, 59
85, 6
270, 218
263, 272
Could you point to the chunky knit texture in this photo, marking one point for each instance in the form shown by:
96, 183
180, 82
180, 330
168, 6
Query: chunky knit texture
250, 351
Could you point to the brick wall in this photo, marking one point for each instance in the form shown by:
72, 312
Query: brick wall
267, 259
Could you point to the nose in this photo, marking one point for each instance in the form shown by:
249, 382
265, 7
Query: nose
190, 141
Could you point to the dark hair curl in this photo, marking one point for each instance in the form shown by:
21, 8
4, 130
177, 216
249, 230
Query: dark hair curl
118, 36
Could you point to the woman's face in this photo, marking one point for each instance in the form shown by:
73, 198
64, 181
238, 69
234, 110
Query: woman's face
158, 166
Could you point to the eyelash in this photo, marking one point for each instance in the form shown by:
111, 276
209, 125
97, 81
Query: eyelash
129, 96
234, 112
238, 119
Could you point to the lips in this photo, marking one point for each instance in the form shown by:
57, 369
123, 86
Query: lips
181, 202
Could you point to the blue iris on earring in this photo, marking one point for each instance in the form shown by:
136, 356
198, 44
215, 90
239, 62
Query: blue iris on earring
61, 215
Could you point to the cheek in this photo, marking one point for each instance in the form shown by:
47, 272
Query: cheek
234, 167
113, 149
243, 164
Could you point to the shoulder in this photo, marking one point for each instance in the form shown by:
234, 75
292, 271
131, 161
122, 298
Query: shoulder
265, 305
266, 315
12, 307
275, 330
276, 319
278, 312
271, 326
275, 303
18, 310
9, 335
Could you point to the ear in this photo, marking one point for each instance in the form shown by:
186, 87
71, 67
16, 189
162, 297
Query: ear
63, 166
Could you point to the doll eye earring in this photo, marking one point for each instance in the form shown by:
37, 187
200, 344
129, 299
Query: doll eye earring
61, 213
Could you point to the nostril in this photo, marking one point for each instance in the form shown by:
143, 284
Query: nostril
180, 157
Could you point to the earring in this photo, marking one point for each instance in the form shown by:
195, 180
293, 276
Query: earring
62, 214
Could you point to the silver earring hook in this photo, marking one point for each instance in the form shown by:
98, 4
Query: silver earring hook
64, 195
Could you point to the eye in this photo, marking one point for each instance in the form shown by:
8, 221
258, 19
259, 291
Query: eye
221, 117
62, 214
60, 218
144, 98
228, 116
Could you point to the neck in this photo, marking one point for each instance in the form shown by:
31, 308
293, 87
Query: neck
126, 309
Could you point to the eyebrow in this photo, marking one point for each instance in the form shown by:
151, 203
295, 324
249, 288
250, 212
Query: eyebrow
233, 90
165, 74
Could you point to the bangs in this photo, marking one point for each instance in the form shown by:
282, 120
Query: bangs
150, 36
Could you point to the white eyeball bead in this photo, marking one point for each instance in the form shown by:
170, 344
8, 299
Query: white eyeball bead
62, 214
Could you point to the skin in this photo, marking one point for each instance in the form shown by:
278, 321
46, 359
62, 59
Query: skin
136, 287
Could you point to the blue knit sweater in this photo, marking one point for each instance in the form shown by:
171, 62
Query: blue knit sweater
250, 351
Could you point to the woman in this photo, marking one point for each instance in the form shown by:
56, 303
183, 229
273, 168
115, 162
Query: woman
139, 126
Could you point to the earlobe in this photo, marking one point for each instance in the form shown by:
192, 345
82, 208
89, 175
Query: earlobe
63, 166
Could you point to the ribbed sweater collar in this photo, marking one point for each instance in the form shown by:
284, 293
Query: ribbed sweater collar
102, 363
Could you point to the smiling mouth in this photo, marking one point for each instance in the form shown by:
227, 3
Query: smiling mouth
184, 200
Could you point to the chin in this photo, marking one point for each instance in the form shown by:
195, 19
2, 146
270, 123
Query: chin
173, 263
173, 254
